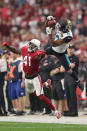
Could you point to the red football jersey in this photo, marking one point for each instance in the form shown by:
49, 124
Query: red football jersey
30, 64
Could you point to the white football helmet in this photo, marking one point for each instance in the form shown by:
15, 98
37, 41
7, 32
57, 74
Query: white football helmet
33, 45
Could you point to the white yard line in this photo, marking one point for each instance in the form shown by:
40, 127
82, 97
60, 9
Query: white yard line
59, 127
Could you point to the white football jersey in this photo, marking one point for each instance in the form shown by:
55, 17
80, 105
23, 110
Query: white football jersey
62, 48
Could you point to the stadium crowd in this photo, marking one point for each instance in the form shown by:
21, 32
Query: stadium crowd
23, 20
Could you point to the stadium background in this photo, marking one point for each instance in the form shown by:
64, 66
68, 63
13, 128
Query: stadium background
22, 20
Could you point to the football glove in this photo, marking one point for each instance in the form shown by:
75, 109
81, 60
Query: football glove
50, 18
48, 30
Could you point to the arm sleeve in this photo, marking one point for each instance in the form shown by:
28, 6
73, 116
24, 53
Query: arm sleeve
67, 37
20, 69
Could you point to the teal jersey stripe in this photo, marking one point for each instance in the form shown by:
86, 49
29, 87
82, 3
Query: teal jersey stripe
67, 59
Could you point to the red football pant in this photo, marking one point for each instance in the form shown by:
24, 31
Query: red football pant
46, 101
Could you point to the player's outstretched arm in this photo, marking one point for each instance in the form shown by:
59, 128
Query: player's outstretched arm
64, 26
50, 25
65, 39
55, 43
10, 48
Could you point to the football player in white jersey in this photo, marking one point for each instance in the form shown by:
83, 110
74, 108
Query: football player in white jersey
60, 42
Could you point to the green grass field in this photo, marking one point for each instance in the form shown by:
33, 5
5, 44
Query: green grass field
19, 126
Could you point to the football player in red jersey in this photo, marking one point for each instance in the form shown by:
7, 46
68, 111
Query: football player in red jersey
31, 59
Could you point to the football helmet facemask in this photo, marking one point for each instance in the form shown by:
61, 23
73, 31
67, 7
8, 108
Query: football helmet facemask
33, 45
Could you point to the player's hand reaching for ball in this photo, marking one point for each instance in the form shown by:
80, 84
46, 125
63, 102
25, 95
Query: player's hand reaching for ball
50, 22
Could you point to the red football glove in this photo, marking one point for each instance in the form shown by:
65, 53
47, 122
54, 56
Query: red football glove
5, 44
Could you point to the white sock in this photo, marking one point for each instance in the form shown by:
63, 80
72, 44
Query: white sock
15, 109
56, 111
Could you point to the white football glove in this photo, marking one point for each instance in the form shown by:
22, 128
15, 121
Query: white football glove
57, 26
48, 30
50, 18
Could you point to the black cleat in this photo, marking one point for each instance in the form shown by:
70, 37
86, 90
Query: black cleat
31, 112
19, 113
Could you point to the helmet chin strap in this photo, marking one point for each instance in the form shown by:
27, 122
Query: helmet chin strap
29, 50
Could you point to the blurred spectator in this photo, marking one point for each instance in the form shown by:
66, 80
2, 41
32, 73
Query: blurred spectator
27, 15
20, 2
46, 65
36, 106
58, 91
70, 84
6, 56
84, 74
3, 71
16, 85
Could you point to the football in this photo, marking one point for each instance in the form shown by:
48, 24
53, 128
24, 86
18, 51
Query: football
51, 23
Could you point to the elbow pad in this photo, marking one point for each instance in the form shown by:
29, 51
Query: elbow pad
67, 39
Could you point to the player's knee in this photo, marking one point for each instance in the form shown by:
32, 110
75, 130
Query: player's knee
41, 96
